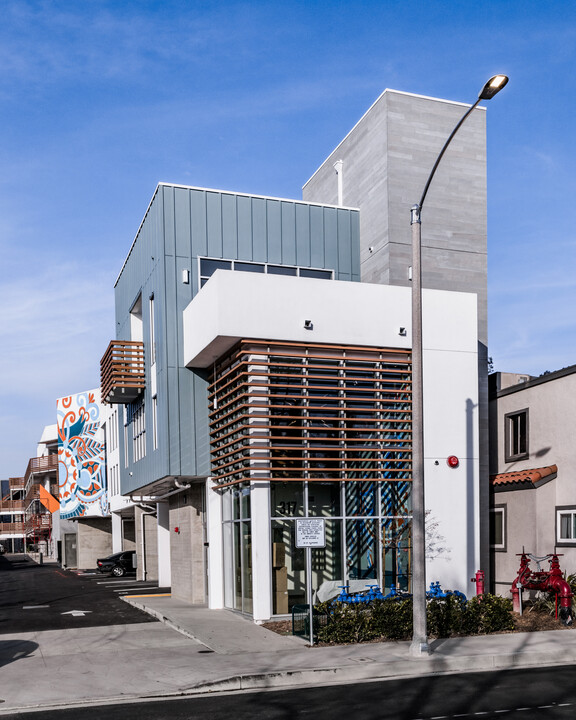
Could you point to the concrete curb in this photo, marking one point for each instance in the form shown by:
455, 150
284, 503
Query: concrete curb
163, 618
369, 672
378, 671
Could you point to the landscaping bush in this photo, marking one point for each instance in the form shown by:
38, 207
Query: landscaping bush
445, 616
346, 623
392, 619
487, 614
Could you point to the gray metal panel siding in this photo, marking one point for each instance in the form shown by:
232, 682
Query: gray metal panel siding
302, 220
274, 231
259, 244
316, 236
288, 233
245, 228
199, 232
182, 221
331, 254
214, 223
182, 225
344, 249
229, 227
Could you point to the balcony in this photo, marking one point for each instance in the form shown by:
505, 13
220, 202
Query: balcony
17, 484
12, 528
9, 506
122, 377
40, 466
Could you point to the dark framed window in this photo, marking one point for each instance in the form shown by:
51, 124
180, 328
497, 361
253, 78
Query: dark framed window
566, 525
498, 527
516, 435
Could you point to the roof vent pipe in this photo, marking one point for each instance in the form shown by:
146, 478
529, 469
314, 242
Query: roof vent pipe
339, 167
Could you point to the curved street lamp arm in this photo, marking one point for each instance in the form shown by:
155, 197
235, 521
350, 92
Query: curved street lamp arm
439, 158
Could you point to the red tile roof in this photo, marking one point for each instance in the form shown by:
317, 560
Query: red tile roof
535, 476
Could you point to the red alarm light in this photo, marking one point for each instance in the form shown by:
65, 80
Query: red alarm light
453, 461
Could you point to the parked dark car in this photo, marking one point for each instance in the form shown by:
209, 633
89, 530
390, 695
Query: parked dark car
118, 564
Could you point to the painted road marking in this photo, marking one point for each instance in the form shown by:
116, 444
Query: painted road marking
33, 607
77, 613
152, 595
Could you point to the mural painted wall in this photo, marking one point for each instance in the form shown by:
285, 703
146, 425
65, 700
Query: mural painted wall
81, 456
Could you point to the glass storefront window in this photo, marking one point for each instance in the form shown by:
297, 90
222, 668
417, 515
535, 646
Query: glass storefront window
288, 568
397, 550
396, 497
287, 499
361, 549
324, 499
327, 561
361, 498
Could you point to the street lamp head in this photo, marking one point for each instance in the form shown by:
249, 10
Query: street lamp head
493, 86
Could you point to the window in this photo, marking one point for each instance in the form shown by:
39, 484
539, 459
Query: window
516, 435
498, 527
137, 419
566, 525
208, 267
152, 334
155, 423
136, 320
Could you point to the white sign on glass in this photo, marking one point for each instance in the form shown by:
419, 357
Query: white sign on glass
310, 533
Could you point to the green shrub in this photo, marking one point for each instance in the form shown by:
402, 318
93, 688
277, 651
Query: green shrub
346, 623
392, 619
487, 614
445, 616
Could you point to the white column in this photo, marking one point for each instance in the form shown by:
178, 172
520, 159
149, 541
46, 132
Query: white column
116, 533
215, 547
261, 551
163, 528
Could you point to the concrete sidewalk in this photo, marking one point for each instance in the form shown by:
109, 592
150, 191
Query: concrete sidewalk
229, 635
217, 650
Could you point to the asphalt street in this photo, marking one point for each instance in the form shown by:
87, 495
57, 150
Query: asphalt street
46, 597
537, 694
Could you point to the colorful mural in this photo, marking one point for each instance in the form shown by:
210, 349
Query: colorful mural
81, 456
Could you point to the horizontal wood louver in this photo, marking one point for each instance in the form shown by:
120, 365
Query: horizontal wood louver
289, 411
122, 375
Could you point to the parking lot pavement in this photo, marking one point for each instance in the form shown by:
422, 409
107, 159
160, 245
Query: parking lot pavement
45, 597
126, 585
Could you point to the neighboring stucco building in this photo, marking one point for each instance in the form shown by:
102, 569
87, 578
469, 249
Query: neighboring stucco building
533, 454
260, 383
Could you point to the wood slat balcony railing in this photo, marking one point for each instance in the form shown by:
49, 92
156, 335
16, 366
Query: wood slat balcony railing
41, 465
12, 527
11, 506
122, 376
17, 483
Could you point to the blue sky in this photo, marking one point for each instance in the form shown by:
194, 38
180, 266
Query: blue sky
99, 101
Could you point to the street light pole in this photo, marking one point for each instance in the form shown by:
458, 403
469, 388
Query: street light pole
420, 644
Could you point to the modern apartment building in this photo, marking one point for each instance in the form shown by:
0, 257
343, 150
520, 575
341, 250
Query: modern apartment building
260, 383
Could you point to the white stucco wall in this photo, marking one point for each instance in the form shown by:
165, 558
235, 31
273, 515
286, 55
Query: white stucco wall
235, 305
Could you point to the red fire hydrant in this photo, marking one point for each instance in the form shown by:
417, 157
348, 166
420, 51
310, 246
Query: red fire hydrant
551, 581
479, 580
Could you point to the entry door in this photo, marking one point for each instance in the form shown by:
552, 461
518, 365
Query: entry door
70, 551
238, 566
